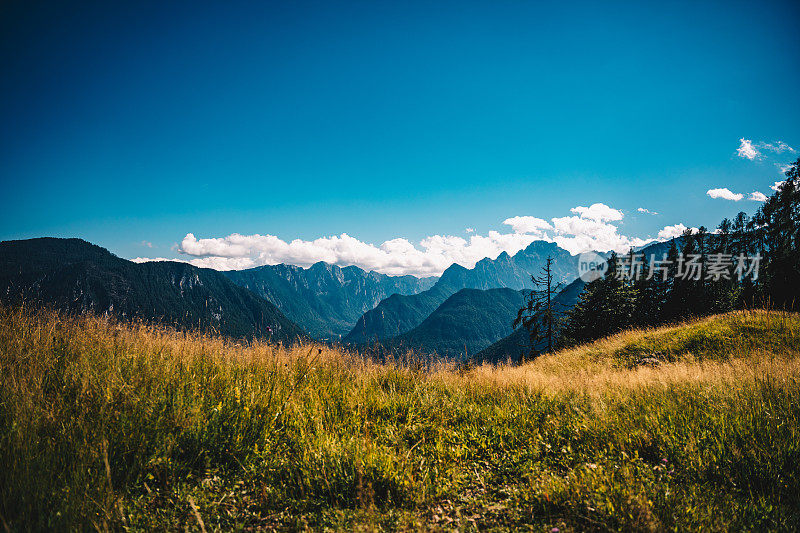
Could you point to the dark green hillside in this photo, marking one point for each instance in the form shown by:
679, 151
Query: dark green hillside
512, 346
326, 300
515, 344
467, 321
396, 315
76, 276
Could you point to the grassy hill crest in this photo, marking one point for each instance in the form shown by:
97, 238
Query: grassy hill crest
140, 427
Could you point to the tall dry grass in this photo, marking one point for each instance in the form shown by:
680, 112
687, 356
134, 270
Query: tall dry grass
737, 347
104, 425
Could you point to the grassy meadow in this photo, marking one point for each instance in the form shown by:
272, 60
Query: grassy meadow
131, 427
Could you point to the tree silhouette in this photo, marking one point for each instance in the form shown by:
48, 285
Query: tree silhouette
605, 306
539, 315
778, 227
745, 262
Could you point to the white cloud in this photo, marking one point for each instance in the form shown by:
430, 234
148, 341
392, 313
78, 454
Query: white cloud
598, 212
777, 147
725, 194
753, 151
758, 196
591, 228
395, 257
527, 224
673, 231
469, 230
152, 259
643, 210
746, 150
146, 244
785, 168
777, 185
578, 235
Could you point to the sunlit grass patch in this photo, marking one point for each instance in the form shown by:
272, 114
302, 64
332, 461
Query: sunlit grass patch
123, 426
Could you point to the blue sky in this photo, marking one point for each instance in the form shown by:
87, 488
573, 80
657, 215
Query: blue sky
139, 123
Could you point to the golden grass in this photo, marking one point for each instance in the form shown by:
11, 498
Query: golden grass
723, 357
135, 426
593, 366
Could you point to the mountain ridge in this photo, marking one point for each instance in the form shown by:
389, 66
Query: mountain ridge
395, 316
464, 323
517, 343
77, 276
325, 299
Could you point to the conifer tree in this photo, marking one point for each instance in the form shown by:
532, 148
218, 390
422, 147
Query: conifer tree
651, 291
540, 315
701, 272
746, 241
604, 307
723, 289
778, 227
702, 291
673, 299
685, 297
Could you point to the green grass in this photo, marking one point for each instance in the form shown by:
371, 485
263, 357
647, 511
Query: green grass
103, 426
737, 335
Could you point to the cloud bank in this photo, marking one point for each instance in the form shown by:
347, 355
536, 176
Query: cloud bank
588, 228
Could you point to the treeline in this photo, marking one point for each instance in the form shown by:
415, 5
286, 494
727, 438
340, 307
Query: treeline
746, 262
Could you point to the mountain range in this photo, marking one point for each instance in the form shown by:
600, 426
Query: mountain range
464, 323
466, 313
517, 343
325, 300
76, 276
398, 314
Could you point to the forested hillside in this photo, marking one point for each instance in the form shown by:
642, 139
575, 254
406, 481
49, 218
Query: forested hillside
76, 276
325, 300
744, 263
399, 314
466, 322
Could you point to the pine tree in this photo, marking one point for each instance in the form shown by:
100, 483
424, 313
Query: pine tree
685, 295
743, 244
540, 315
723, 290
605, 306
673, 300
694, 285
651, 290
778, 228
702, 299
